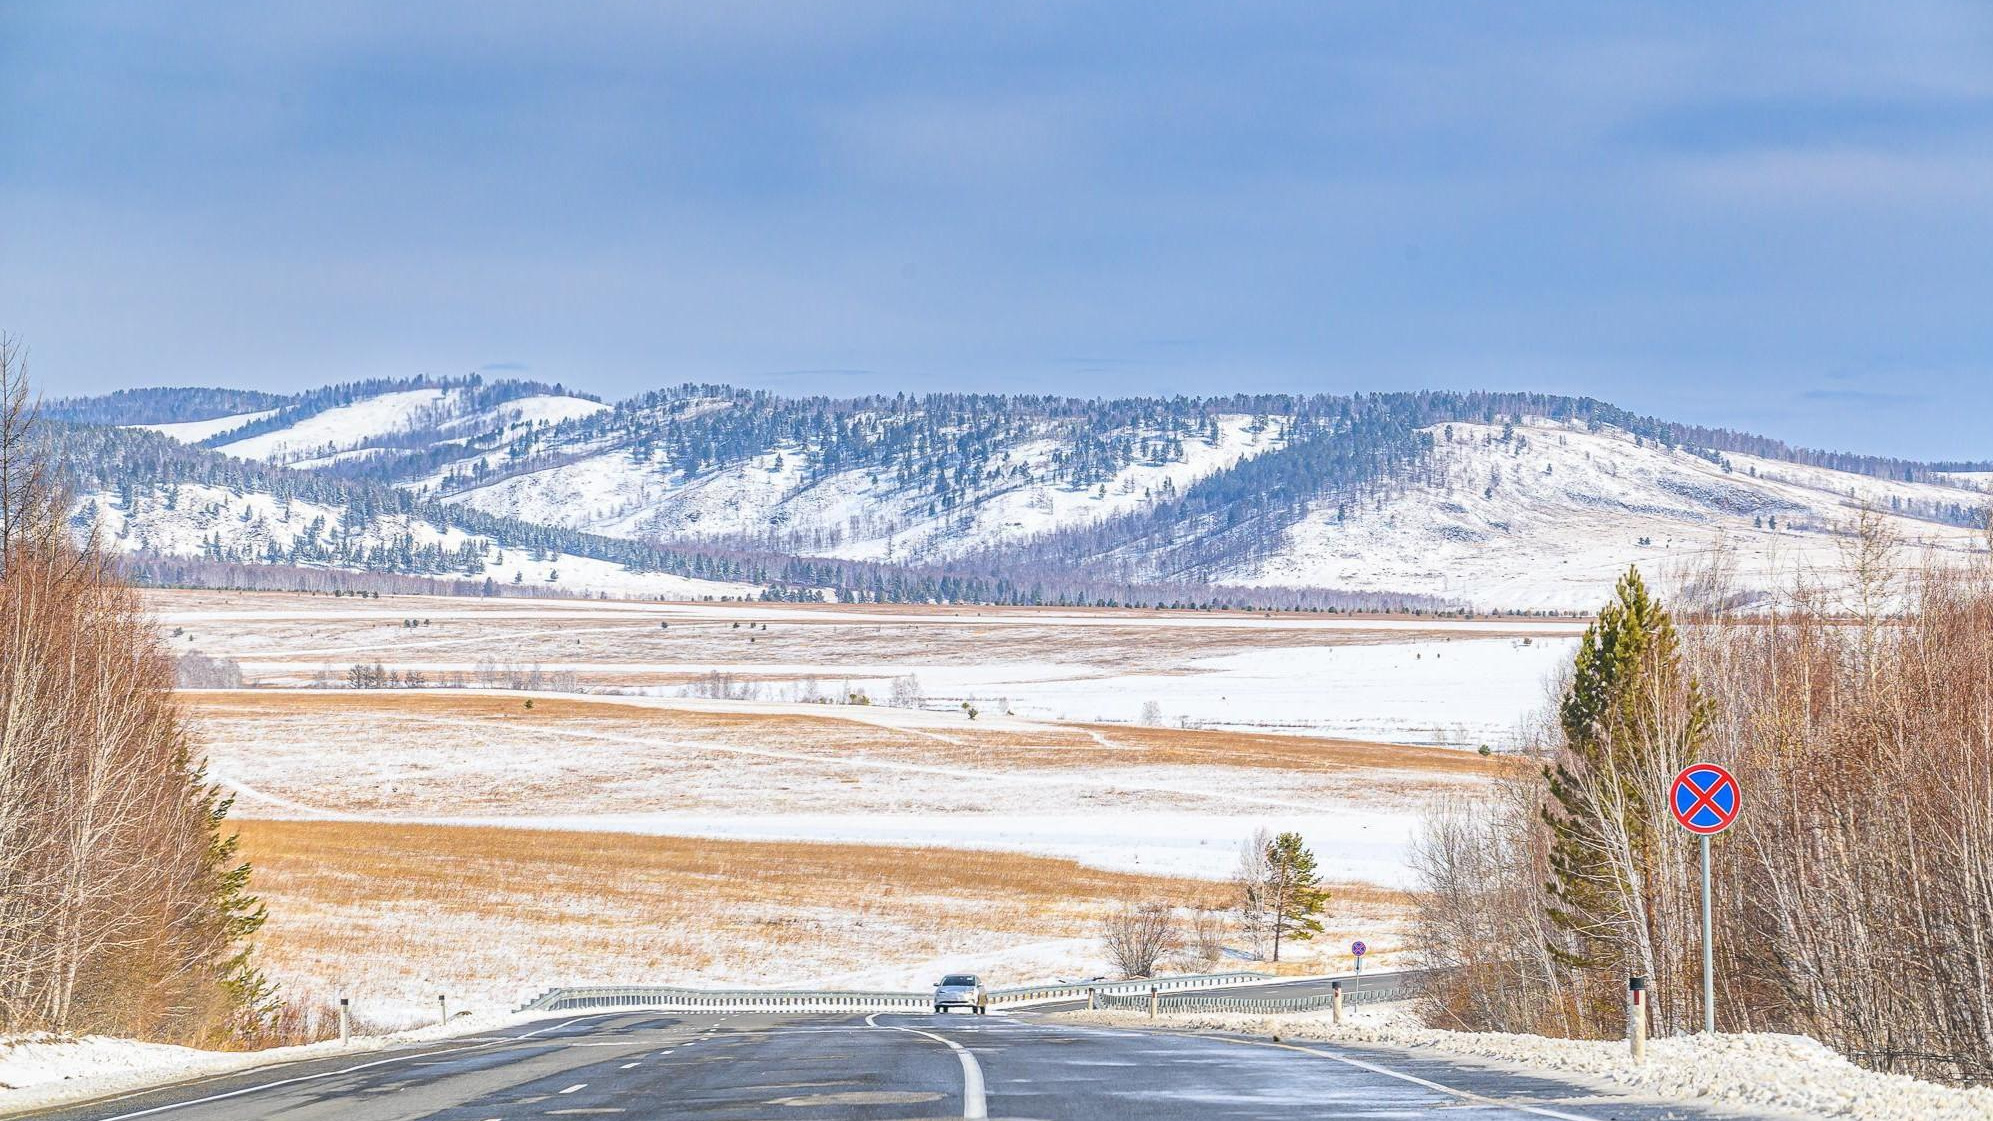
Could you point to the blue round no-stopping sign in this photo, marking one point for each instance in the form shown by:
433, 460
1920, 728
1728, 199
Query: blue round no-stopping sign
1358, 948
1705, 798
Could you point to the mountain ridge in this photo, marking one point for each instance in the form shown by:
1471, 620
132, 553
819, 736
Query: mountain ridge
1349, 493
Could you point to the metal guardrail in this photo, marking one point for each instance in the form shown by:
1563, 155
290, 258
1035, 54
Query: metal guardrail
722, 1000
1374, 989
834, 1000
1035, 993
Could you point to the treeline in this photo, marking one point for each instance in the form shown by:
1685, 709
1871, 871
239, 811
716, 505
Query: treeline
807, 578
476, 395
194, 572
1853, 894
124, 908
946, 445
160, 406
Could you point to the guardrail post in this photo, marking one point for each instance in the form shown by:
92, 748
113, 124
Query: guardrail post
1152, 1002
1636, 1017
1336, 1000
345, 1022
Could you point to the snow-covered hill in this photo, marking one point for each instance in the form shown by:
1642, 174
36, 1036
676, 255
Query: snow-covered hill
237, 526
383, 423
1547, 515
862, 512
1497, 501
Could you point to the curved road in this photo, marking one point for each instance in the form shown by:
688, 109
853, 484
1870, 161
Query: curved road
637, 1065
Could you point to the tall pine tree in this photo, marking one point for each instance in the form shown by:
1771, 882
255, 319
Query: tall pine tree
1619, 875
1295, 895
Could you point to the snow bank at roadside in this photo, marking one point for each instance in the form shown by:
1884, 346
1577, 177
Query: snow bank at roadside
42, 1070
1788, 1073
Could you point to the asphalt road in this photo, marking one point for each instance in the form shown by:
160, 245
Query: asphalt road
736, 1067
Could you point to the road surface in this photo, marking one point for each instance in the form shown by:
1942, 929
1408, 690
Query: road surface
642, 1065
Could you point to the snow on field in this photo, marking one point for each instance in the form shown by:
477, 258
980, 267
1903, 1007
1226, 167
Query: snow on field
1791, 1074
1395, 692
1552, 516
1131, 799
194, 431
1161, 803
1461, 692
1353, 843
1461, 683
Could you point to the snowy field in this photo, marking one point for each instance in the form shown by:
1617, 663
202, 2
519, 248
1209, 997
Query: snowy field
1461, 684
1128, 754
1148, 800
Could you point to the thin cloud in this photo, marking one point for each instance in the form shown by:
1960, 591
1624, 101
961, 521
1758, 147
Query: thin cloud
1864, 397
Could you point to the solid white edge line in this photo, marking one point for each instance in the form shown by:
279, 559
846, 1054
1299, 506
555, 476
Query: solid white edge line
1468, 1095
975, 1101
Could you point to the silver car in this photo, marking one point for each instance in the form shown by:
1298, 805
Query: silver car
959, 990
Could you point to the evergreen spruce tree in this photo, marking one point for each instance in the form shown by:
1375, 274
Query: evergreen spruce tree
234, 916
1295, 895
1631, 717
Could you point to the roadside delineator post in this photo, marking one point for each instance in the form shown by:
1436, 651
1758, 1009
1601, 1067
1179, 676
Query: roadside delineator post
345, 1021
1336, 1004
442, 1011
1091, 1001
1636, 1017
1152, 1002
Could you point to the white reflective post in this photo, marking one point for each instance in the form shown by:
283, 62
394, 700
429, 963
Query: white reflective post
1636, 1017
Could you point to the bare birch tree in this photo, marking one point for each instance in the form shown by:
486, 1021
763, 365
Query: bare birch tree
122, 907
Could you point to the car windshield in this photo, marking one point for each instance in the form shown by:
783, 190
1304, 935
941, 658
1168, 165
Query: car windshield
958, 979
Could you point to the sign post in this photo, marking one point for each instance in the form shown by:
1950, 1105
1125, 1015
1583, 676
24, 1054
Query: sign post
1705, 800
1359, 949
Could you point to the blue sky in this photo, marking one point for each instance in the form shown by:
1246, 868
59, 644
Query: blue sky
1774, 217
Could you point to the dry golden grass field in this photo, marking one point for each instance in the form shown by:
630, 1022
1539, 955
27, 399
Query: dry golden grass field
391, 914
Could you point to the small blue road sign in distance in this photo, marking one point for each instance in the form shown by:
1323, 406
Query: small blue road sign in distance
1358, 948
1705, 798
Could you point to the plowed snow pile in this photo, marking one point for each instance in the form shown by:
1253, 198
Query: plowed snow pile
1788, 1073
